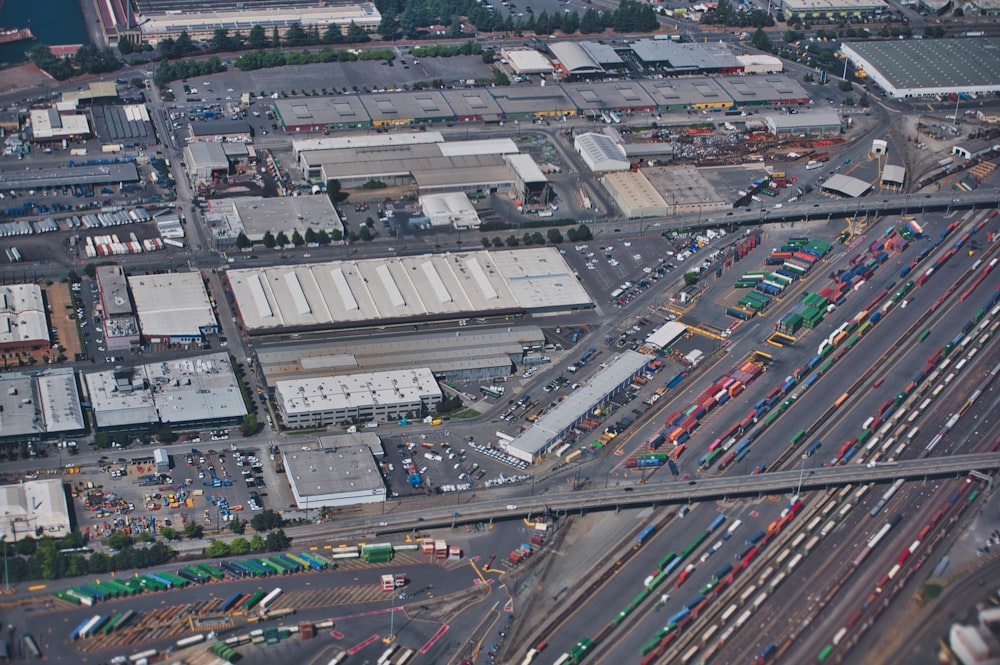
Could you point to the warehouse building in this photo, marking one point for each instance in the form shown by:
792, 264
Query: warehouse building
236, 131
807, 9
39, 405
666, 335
592, 99
472, 354
681, 94
318, 113
687, 190
531, 186
846, 186
894, 176
23, 324
585, 59
206, 161
58, 122
810, 123
548, 431
74, 176
472, 105
161, 19
760, 64
450, 210
766, 90
600, 152
256, 216
929, 67
173, 308
526, 61
533, 101
311, 154
410, 289
201, 391
357, 398
634, 195
675, 58
121, 329
129, 124
330, 474
34, 509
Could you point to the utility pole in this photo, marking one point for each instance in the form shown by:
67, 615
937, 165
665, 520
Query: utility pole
802, 472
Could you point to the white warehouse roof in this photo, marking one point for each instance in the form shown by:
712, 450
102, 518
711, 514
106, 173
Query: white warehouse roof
451, 209
528, 61
601, 153
35, 508
666, 334
172, 305
359, 291
22, 314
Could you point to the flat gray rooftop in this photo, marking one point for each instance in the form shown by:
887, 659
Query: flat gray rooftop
321, 472
934, 63
98, 174
438, 351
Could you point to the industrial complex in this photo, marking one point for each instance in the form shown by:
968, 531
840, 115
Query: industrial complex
34, 509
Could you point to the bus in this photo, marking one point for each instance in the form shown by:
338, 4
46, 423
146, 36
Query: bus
491, 391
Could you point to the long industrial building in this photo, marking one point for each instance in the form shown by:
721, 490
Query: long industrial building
156, 20
411, 289
373, 396
929, 67
546, 432
588, 98
472, 354
201, 391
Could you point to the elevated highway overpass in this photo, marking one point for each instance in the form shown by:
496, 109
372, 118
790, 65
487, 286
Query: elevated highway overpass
673, 492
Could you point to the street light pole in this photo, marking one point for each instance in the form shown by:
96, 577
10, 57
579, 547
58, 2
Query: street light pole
802, 472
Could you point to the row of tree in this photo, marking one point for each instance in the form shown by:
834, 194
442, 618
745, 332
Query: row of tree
42, 559
87, 60
277, 58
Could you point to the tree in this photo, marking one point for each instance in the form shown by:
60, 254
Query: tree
266, 520
192, 531
333, 190
239, 526
388, 27
281, 239
310, 236
257, 543
242, 241
277, 541
296, 35
217, 549
365, 233
119, 540
250, 425
485, 242
761, 41
169, 533
166, 435
257, 39
690, 278
554, 236
124, 45
333, 34
356, 34
239, 546
102, 440
269, 240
